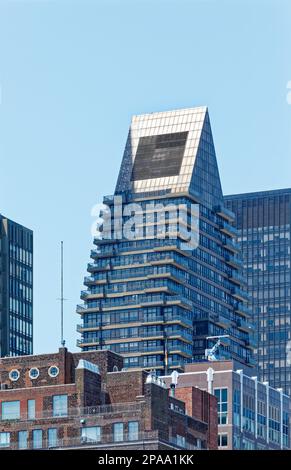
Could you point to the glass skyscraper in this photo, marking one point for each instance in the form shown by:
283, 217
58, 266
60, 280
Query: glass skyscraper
263, 223
16, 315
148, 297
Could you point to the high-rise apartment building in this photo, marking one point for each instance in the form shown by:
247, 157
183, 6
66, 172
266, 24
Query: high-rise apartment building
263, 223
16, 256
152, 297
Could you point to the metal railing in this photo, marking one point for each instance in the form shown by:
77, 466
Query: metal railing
98, 411
128, 439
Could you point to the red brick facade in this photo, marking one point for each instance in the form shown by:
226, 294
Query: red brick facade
203, 406
96, 399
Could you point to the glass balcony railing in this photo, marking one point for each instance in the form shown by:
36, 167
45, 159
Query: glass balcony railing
225, 227
238, 278
224, 212
240, 294
243, 309
234, 261
232, 245
243, 325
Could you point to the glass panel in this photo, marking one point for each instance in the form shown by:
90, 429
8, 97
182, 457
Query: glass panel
133, 430
159, 155
31, 409
224, 394
10, 410
118, 432
91, 433
52, 437
37, 439
60, 405
4, 439
22, 439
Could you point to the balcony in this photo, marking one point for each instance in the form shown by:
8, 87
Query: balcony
234, 261
85, 294
180, 299
243, 325
179, 333
93, 267
89, 280
90, 326
240, 294
180, 349
153, 334
81, 342
222, 321
237, 278
243, 310
251, 342
83, 308
251, 361
228, 229
231, 245
225, 213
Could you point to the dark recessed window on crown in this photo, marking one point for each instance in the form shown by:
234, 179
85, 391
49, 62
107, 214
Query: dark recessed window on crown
159, 156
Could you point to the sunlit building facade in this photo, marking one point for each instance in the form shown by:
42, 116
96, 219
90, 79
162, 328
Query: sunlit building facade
16, 289
263, 223
148, 297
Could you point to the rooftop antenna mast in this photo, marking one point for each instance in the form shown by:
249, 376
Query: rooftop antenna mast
63, 342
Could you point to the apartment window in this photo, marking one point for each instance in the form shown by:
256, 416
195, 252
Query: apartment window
222, 440
221, 395
60, 405
31, 409
52, 435
37, 439
133, 430
22, 439
181, 441
91, 434
118, 429
10, 410
4, 439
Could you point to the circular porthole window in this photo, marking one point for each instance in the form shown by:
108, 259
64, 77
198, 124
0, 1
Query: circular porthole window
34, 373
14, 375
53, 371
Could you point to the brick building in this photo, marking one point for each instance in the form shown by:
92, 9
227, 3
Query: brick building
251, 414
73, 400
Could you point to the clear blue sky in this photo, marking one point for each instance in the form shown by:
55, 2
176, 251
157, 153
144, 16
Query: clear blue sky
73, 72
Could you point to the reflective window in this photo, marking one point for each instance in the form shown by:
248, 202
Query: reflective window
118, 430
52, 437
222, 440
91, 434
10, 410
221, 395
4, 439
60, 405
31, 409
133, 430
37, 439
22, 439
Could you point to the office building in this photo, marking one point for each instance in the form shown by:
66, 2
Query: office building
251, 414
153, 297
16, 315
264, 234
86, 401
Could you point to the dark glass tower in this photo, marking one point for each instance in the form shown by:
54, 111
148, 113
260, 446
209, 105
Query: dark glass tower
16, 256
148, 298
263, 222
